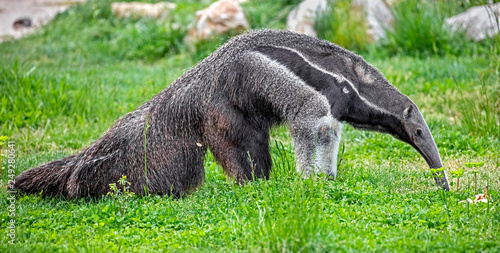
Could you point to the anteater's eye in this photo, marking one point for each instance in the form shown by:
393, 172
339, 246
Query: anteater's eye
418, 133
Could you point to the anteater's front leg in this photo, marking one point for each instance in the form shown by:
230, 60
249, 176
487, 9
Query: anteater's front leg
316, 136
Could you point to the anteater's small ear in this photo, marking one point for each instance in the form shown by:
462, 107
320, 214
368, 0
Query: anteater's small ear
407, 112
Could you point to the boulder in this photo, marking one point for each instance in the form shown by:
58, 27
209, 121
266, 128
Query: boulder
378, 16
301, 18
219, 18
159, 10
20, 23
478, 22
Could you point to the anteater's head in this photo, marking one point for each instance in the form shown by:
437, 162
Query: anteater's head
370, 102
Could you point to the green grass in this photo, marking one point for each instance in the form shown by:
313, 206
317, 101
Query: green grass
62, 87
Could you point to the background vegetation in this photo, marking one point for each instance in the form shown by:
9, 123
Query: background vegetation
62, 87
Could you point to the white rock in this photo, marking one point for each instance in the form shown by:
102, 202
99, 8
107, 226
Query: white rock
217, 19
126, 9
478, 22
301, 18
378, 16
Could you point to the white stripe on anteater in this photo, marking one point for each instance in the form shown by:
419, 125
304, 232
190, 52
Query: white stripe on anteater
338, 77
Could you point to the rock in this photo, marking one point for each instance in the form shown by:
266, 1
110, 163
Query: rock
159, 10
301, 18
24, 22
478, 22
378, 16
217, 19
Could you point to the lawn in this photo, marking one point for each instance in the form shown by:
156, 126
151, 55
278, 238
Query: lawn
62, 87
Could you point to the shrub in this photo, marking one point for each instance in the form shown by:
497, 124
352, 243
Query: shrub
344, 25
93, 33
268, 14
419, 29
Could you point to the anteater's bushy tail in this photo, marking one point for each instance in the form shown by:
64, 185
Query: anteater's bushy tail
48, 179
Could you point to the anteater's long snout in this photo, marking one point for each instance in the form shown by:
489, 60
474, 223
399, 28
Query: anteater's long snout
428, 149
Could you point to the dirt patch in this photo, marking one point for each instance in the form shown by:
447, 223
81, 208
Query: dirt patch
22, 17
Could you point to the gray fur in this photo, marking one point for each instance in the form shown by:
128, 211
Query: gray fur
228, 103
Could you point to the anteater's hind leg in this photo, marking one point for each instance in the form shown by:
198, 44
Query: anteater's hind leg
175, 166
240, 146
